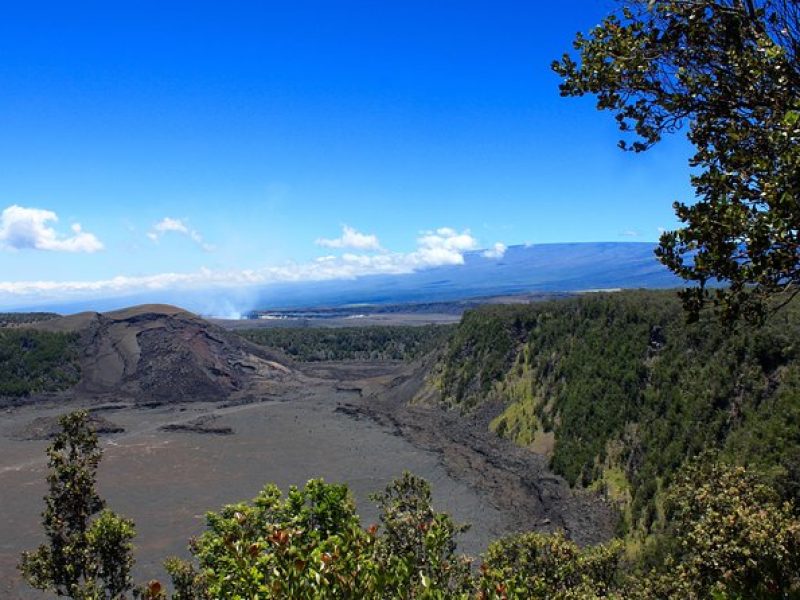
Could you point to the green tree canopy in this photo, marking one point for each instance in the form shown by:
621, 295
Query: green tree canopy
732, 537
730, 71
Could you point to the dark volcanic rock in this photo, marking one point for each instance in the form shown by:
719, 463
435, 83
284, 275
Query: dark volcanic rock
46, 428
518, 481
200, 425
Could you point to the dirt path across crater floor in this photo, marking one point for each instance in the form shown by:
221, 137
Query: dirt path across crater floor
345, 422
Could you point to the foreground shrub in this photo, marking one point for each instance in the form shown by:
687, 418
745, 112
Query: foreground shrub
86, 556
734, 537
307, 545
311, 545
538, 565
416, 552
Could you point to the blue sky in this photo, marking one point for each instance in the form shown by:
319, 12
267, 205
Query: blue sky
169, 143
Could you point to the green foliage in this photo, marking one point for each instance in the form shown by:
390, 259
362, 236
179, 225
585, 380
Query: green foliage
536, 565
310, 545
109, 543
37, 361
417, 546
625, 372
376, 342
283, 548
730, 69
729, 536
187, 582
87, 557
733, 533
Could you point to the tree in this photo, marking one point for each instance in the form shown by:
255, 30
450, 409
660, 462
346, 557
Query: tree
730, 69
733, 537
416, 552
88, 556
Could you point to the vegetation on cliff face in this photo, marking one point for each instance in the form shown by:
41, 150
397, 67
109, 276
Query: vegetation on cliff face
379, 342
37, 361
623, 391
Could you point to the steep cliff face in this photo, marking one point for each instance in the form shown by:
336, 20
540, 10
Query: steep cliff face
163, 353
618, 391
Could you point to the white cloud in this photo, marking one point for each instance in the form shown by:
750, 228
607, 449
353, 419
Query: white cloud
630, 233
443, 246
661, 230
496, 251
351, 238
28, 228
168, 224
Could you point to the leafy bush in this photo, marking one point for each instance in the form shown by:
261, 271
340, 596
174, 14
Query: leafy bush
733, 534
537, 565
417, 548
729, 537
310, 545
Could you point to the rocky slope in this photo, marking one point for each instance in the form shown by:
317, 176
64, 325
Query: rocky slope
160, 353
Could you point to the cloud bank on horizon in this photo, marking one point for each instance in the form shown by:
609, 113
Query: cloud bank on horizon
496, 251
361, 254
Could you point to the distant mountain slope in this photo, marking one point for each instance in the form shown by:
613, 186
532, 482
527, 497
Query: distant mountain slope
545, 268
536, 268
